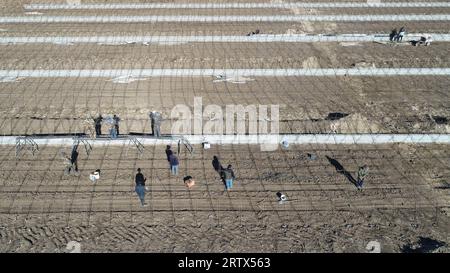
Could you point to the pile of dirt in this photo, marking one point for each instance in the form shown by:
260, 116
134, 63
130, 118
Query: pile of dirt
291, 31
311, 62
299, 113
350, 44
363, 64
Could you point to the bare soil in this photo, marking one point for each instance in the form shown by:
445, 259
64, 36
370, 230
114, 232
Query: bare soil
229, 28
404, 201
374, 104
404, 198
223, 55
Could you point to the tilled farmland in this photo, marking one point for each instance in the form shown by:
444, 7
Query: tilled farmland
49, 89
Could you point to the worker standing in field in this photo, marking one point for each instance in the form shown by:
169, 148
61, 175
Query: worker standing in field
98, 125
112, 131
156, 118
400, 34
393, 35
362, 174
140, 187
173, 160
229, 177
116, 120
109, 120
168, 153
72, 162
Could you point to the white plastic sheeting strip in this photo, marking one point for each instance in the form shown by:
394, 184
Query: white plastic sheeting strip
260, 38
126, 79
236, 5
9, 79
233, 79
141, 73
33, 13
212, 19
258, 139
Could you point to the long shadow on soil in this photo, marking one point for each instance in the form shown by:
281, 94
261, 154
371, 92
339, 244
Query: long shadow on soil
219, 169
424, 245
341, 169
445, 186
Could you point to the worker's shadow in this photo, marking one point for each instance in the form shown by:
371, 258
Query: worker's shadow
341, 169
222, 177
219, 169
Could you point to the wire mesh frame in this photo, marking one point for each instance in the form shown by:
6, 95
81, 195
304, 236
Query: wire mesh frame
86, 144
26, 143
134, 142
319, 95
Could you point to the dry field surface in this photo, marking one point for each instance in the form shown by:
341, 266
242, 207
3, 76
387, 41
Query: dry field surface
405, 202
405, 197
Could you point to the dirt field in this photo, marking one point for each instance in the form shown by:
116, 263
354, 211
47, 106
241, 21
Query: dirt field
406, 197
405, 202
374, 104
222, 12
241, 28
222, 55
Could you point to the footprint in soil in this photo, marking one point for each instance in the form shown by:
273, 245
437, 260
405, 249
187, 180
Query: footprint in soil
271, 175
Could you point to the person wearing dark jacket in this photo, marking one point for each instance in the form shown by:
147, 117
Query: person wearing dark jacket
156, 119
400, 35
98, 125
229, 177
140, 187
168, 152
173, 161
393, 35
116, 121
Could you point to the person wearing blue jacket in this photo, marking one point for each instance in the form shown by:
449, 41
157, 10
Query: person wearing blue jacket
173, 160
140, 187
